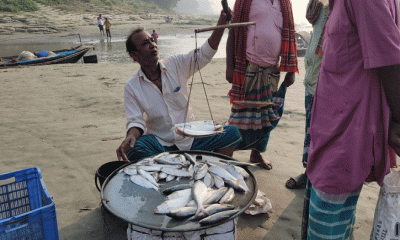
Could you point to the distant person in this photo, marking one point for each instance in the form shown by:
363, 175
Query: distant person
108, 25
100, 23
155, 36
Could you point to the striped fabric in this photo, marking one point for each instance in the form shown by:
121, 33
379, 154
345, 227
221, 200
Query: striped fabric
289, 46
314, 8
288, 53
308, 101
148, 145
328, 216
261, 85
241, 14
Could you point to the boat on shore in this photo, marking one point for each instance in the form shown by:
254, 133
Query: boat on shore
60, 56
302, 45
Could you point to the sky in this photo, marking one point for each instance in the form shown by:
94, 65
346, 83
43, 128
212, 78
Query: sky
299, 8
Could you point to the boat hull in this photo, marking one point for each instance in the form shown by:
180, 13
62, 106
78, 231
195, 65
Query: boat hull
76, 54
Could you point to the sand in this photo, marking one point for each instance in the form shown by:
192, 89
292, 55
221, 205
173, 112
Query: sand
69, 119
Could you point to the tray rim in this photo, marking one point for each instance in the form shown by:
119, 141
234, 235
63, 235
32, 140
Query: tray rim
108, 179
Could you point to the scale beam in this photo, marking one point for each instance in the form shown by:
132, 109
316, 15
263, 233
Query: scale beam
233, 25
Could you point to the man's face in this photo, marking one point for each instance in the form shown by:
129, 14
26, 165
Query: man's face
147, 50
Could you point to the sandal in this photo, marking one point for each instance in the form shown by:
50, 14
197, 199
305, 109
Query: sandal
298, 182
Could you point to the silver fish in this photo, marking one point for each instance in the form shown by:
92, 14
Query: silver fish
155, 175
162, 175
218, 217
208, 180
237, 163
166, 161
218, 181
176, 172
217, 170
216, 196
183, 212
232, 170
180, 193
159, 155
143, 182
191, 159
201, 172
170, 178
235, 185
147, 175
212, 209
199, 192
243, 172
228, 197
169, 205
177, 188
130, 171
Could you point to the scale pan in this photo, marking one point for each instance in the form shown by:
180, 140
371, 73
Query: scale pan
198, 129
254, 104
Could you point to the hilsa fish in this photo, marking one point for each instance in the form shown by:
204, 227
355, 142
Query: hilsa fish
169, 205
199, 193
218, 217
143, 182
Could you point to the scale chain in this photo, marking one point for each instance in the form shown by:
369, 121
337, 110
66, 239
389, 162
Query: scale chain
196, 62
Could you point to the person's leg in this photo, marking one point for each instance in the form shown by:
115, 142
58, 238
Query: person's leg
299, 182
224, 143
145, 146
330, 216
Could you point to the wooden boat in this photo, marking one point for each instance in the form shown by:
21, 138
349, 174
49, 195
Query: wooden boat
62, 56
302, 45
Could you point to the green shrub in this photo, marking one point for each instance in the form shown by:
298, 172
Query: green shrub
17, 5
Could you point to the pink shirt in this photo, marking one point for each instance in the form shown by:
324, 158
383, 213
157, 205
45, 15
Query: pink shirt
350, 115
264, 40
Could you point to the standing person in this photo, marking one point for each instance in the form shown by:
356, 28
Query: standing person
351, 126
160, 91
108, 25
100, 23
317, 14
155, 36
253, 55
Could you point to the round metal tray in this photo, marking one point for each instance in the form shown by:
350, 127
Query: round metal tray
136, 204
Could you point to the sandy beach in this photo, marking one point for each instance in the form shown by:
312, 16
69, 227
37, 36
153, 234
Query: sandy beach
69, 119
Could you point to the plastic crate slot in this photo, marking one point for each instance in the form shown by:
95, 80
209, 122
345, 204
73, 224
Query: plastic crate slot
27, 211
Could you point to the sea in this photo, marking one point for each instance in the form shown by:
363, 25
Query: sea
114, 51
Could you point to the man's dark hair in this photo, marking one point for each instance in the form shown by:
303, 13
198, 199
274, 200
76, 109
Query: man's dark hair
130, 46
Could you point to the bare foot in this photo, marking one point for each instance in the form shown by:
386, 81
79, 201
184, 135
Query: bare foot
255, 157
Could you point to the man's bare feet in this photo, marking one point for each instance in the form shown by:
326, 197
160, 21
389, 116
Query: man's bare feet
255, 157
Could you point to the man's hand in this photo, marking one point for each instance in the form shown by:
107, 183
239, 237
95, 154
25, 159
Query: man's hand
216, 35
394, 136
129, 142
289, 79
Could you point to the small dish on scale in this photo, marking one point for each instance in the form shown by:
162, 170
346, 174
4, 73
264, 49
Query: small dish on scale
198, 128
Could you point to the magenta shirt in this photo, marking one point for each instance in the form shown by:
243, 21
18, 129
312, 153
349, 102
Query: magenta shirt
350, 115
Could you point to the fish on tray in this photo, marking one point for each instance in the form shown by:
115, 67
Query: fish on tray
207, 198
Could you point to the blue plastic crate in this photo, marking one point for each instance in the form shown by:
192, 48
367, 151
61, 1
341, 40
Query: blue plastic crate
27, 211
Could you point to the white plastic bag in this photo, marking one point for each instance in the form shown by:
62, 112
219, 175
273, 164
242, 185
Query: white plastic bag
387, 213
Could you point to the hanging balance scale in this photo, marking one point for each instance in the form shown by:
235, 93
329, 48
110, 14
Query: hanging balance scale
205, 128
